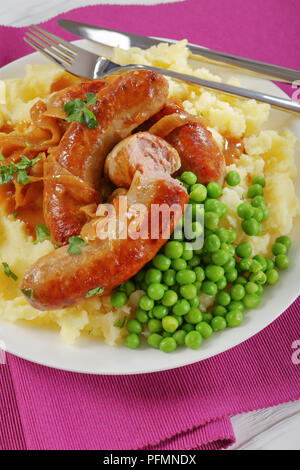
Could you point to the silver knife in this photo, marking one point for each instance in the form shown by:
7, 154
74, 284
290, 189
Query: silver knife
113, 38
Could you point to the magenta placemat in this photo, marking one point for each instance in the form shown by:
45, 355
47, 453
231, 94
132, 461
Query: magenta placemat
190, 407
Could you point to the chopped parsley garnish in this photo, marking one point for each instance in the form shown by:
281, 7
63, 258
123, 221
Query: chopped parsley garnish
15, 214
96, 291
7, 171
27, 145
42, 233
28, 293
1, 158
78, 110
8, 272
120, 323
74, 245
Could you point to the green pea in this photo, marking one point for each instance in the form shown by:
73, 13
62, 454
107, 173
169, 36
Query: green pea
251, 300
234, 318
154, 340
169, 277
134, 326
173, 249
200, 274
206, 258
258, 214
161, 262
223, 298
154, 325
170, 298
141, 315
262, 260
222, 283
272, 276
211, 220
132, 341
179, 319
212, 243
220, 257
250, 227
258, 201
198, 193
286, 241
233, 178
255, 266
259, 180
245, 210
194, 261
194, 316
160, 311
156, 291
188, 291
194, 302
255, 190
282, 262
228, 248
167, 345
179, 337
197, 212
193, 340
188, 177
229, 265
146, 303
219, 311
207, 317
232, 275
259, 277
266, 213
187, 251
218, 324
204, 329
209, 288
214, 273
179, 264
270, 264
153, 275
170, 324
241, 280
129, 287
244, 250
186, 276
236, 305
251, 288
211, 205
237, 292
214, 190
223, 234
140, 276
232, 235
279, 249
182, 307
118, 299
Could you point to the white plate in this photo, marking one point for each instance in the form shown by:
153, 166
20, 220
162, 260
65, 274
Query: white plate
91, 356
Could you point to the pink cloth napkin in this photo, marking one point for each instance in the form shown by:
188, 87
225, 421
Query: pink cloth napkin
190, 407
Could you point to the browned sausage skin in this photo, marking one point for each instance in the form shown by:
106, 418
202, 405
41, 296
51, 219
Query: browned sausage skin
195, 144
61, 279
73, 172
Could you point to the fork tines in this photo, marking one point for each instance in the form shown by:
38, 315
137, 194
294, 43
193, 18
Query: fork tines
53, 47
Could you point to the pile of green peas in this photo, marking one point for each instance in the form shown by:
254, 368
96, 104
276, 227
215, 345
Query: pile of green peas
168, 313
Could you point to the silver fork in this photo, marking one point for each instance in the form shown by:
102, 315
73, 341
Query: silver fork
86, 64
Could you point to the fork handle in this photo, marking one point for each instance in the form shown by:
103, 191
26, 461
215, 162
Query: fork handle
279, 103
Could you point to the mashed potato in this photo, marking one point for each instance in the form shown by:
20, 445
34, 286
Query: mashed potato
268, 153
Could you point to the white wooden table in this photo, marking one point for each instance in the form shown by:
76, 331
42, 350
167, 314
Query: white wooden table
270, 429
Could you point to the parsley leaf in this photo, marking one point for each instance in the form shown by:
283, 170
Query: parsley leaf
27, 145
96, 291
120, 323
78, 110
15, 214
42, 233
1, 158
74, 245
8, 272
28, 293
7, 171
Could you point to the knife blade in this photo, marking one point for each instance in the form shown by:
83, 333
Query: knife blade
114, 38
